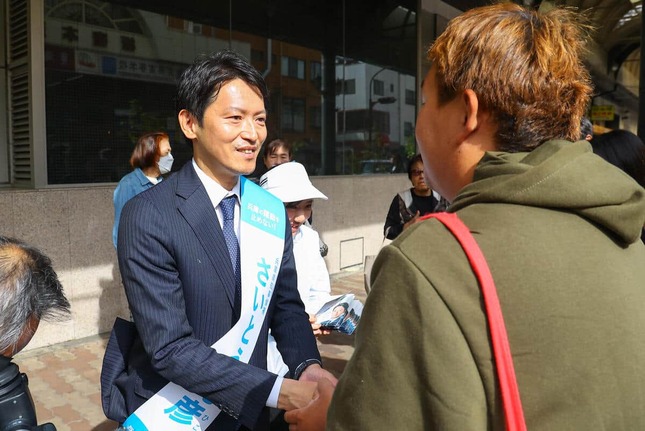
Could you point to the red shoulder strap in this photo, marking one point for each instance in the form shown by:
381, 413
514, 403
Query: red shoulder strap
501, 350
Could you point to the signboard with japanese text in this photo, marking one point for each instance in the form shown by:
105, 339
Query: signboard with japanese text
602, 113
116, 66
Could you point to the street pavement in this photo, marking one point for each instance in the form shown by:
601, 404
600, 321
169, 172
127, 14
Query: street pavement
64, 378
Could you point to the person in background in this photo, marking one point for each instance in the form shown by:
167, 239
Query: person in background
624, 150
151, 158
499, 130
290, 183
276, 153
586, 129
29, 292
410, 204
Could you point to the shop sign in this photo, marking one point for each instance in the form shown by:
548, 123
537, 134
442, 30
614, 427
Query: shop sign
602, 113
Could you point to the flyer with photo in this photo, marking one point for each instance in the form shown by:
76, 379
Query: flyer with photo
341, 314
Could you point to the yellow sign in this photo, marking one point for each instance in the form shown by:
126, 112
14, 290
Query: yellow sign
602, 113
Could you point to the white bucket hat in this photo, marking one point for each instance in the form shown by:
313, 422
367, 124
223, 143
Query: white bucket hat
289, 182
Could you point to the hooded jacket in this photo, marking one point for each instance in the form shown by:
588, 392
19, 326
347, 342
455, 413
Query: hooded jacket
560, 230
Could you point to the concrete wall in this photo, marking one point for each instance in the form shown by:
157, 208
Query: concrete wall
73, 226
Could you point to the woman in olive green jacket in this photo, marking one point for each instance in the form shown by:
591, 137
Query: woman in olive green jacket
558, 226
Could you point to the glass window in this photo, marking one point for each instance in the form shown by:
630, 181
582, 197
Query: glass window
353, 121
293, 67
314, 117
381, 122
350, 86
410, 97
300, 71
346, 87
408, 129
373, 127
316, 71
379, 87
97, 17
94, 13
69, 12
293, 115
114, 69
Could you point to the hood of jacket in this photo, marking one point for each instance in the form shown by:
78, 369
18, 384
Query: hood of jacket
560, 175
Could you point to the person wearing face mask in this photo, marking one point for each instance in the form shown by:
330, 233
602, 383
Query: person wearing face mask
150, 160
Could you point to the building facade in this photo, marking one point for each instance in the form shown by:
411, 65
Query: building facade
80, 80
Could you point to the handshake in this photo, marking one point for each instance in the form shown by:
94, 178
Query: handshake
306, 400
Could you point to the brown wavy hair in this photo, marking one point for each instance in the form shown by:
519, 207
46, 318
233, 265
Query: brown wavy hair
146, 151
525, 67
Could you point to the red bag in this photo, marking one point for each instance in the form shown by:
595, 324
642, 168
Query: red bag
501, 350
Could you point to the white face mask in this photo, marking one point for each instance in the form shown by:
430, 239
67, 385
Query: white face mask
165, 163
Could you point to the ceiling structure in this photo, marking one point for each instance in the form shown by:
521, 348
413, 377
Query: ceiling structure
617, 34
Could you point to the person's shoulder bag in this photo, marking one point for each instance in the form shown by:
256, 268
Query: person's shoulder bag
512, 404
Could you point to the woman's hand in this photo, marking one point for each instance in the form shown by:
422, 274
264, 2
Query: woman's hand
412, 221
316, 326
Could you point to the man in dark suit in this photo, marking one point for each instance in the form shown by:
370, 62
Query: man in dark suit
180, 280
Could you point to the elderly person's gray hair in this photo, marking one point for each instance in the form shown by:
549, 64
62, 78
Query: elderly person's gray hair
29, 288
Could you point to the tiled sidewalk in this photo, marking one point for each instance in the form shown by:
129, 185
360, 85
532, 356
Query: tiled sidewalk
64, 378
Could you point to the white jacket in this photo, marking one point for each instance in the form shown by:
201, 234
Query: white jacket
313, 285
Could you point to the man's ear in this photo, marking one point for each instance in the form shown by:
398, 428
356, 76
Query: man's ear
472, 107
188, 124
471, 112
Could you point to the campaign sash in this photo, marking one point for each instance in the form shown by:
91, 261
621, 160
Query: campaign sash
263, 222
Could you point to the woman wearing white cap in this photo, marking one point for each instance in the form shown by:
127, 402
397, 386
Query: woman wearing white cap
290, 183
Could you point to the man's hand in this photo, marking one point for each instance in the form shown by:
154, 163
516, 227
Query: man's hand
315, 373
295, 394
313, 417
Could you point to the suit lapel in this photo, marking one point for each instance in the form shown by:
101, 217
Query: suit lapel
196, 208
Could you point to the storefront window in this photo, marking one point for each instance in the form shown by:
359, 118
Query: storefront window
111, 72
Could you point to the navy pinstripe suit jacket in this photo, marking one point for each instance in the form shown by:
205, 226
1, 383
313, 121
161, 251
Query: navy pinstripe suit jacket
180, 287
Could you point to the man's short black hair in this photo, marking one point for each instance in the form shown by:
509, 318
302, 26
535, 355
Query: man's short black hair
201, 82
